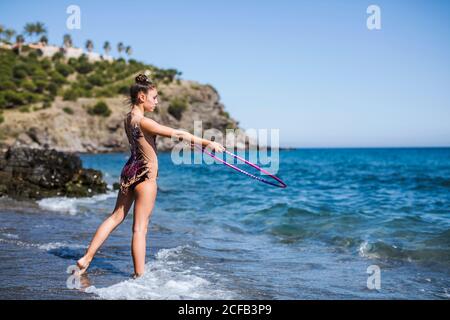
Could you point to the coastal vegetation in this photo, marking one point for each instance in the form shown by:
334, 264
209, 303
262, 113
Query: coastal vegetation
29, 76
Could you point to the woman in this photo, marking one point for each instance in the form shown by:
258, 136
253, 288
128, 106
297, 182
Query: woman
138, 177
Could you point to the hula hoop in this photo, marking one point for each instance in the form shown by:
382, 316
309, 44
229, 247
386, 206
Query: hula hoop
280, 185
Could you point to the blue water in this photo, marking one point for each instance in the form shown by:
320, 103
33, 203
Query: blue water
217, 234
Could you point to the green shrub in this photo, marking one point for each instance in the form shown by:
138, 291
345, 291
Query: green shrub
64, 69
57, 78
68, 110
20, 72
24, 109
224, 113
95, 80
7, 85
46, 64
27, 84
2, 118
83, 65
83, 83
52, 89
177, 107
79, 90
33, 55
58, 56
14, 98
105, 92
46, 104
100, 109
38, 74
123, 89
32, 97
2, 101
84, 68
71, 94
73, 62
41, 85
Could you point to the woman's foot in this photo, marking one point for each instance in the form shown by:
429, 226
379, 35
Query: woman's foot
137, 275
83, 264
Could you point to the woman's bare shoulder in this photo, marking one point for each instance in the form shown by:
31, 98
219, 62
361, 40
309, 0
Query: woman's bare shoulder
148, 124
151, 126
148, 121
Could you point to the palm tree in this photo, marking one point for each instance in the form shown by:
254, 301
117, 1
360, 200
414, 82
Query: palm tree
40, 29
120, 47
44, 40
32, 29
2, 30
9, 33
89, 45
128, 51
67, 40
29, 29
20, 39
107, 47
19, 42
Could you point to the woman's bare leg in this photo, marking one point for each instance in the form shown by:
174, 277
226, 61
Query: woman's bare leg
123, 205
145, 200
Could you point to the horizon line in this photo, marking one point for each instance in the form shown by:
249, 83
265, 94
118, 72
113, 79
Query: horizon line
370, 147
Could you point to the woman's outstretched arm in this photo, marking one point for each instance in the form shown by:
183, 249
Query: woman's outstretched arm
153, 127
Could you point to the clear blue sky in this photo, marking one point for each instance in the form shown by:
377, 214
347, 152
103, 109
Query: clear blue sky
310, 68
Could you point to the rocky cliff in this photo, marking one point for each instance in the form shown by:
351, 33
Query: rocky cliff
68, 125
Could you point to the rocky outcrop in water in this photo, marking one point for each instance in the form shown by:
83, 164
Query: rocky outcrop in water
32, 173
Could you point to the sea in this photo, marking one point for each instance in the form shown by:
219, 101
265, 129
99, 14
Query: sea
363, 223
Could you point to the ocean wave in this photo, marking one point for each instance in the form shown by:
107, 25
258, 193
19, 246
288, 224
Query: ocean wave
290, 224
409, 180
44, 246
344, 242
165, 278
58, 245
384, 251
70, 205
285, 210
19, 243
429, 182
10, 235
428, 250
290, 232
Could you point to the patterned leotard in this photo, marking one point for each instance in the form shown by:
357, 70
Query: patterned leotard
143, 161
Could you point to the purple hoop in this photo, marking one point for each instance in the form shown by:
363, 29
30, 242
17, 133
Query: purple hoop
283, 185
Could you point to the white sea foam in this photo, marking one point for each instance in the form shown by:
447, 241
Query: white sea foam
70, 205
165, 278
43, 246
57, 245
10, 235
364, 250
18, 242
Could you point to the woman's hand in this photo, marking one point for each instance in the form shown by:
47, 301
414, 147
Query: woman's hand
216, 147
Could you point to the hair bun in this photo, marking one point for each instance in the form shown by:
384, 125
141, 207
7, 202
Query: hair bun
142, 79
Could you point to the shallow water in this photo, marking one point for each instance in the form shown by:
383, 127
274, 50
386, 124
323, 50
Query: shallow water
217, 234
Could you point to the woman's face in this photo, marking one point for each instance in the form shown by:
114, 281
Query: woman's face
150, 100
